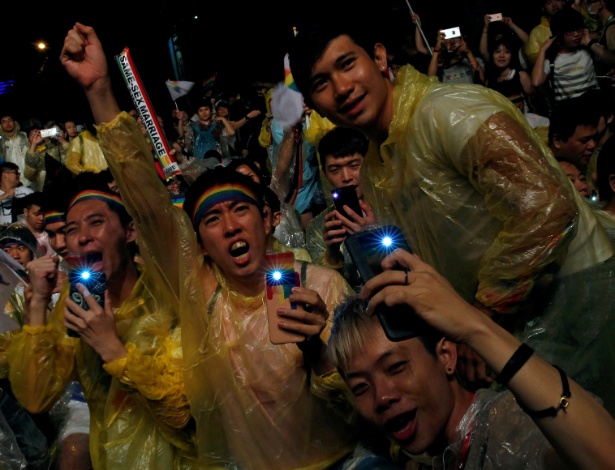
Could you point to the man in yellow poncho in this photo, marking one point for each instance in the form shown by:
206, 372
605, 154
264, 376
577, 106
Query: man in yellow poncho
477, 194
257, 405
127, 356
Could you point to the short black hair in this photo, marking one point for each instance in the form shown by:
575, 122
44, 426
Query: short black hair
37, 198
565, 20
341, 142
8, 166
568, 114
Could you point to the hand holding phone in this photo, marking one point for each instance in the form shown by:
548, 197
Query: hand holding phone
346, 196
280, 278
86, 270
367, 249
495, 17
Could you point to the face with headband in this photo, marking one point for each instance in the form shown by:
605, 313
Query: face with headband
97, 222
226, 211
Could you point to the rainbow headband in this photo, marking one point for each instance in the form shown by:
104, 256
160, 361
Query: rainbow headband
222, 193
52, 217
98, 195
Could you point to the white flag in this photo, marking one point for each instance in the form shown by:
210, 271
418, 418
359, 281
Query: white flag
179, 88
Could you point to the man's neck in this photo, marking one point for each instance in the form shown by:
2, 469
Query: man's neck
121, 284
463, 400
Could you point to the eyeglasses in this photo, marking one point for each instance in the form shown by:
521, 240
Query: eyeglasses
572, 32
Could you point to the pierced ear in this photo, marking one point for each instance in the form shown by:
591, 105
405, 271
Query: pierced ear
446, 352
380, 56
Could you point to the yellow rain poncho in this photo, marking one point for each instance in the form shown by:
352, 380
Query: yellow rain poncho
480, 197
139, 415
84, 154
255, 404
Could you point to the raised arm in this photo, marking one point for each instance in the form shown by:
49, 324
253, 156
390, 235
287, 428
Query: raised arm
537, 385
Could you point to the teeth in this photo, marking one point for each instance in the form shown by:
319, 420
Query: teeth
238, 245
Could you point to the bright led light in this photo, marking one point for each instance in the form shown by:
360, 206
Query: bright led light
387, 241
277, 275
335, 195
85, 275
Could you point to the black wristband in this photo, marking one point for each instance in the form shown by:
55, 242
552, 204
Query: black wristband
564, 400
516, 361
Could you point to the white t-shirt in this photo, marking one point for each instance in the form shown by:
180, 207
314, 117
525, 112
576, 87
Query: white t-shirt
6, 205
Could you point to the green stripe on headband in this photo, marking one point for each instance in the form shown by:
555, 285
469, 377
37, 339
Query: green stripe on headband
98, 195
221, 193
52, 217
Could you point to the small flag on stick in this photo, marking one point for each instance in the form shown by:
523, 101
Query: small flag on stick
179, 88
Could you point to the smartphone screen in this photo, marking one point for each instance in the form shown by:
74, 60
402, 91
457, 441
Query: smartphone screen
367, 250
346, 196
87, 270
280, 278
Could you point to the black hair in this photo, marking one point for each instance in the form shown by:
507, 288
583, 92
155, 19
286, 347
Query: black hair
341, 142
605, 167
565, 20
8, 166
263, 176
310, 43
567, 115
37, 198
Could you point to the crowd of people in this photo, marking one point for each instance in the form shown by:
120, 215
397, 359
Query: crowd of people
493, 157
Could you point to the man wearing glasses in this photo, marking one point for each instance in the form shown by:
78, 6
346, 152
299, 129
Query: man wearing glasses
564, 60
13, 141
10, 188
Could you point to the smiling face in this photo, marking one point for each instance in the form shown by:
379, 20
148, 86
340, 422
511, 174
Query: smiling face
502, 56
348, 87
92, 227
233, 235
404, 390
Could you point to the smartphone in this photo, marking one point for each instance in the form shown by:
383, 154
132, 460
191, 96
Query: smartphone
280, 278
346, 196
367, 249
495, 17
87, 270
49, 132
451, 33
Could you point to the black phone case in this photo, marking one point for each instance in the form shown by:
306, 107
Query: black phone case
366, 251
346, 195
96, 284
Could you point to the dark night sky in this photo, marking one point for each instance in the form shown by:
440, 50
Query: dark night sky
242, 42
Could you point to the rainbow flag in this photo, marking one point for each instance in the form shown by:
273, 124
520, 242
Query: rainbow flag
289, 81
178, 201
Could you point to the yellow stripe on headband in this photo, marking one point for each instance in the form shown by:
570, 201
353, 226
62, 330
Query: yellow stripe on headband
98, 195
221, 193
52, 217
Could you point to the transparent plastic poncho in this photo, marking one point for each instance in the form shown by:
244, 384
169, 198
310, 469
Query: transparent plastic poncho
480, 197
255, 404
